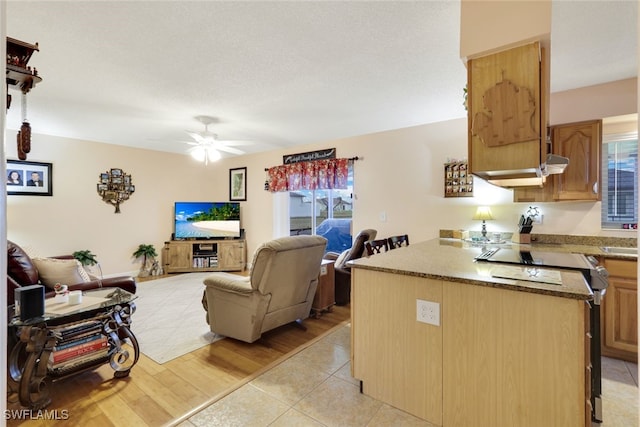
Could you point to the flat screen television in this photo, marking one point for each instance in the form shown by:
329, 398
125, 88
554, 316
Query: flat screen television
206, 220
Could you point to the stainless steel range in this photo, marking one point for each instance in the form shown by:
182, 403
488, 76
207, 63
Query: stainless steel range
597, 277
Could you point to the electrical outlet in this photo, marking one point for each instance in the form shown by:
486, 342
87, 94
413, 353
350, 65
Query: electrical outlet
428, 312
382, 216
537, 219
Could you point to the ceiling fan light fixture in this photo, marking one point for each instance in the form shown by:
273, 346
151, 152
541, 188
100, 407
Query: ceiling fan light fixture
213, 154
198, 153
204, 153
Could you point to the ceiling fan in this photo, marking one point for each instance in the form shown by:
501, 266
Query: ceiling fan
207, 146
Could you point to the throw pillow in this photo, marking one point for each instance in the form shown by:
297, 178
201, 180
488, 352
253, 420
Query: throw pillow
64, 271
84, 273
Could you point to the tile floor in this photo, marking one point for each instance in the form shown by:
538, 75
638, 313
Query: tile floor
315, 388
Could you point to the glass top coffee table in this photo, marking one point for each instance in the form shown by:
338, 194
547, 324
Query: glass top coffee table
71, 338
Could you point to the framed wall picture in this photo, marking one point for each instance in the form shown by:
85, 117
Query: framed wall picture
29, 178
238, 184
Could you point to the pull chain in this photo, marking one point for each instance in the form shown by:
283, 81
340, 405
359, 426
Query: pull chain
24, 107
24, 136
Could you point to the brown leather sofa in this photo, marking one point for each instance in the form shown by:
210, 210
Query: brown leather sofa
21, 271
343, 271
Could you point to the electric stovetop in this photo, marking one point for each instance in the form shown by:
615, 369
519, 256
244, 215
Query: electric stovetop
537, 258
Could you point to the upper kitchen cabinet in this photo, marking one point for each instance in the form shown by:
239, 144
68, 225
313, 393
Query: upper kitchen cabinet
507, 115
581, 143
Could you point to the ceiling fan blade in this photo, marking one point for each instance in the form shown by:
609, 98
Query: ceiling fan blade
229, 149
190, 142
234, 143
196, 136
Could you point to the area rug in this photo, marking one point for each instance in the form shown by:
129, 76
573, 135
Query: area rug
169, 320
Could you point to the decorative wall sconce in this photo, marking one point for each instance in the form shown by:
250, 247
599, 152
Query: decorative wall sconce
115, 186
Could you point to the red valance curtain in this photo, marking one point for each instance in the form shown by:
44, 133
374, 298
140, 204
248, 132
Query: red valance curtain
313, 175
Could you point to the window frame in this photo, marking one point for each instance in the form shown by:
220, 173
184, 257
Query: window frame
615, 138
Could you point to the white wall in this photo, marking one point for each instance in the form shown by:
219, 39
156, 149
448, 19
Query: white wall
400, 175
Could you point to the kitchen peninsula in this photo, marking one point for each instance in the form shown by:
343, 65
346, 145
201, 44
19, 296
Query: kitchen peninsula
502, 351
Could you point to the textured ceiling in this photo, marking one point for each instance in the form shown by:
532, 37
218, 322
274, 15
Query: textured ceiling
276, 73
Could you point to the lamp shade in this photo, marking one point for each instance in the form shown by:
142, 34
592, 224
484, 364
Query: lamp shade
483, 213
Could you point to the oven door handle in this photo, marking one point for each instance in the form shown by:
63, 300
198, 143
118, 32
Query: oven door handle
598, 295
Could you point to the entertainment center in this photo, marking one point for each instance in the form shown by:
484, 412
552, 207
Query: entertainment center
207, 237
184, 256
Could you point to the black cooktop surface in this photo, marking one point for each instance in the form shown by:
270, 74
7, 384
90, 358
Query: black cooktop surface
526, 257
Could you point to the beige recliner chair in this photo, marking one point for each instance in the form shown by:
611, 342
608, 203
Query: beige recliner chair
279, 289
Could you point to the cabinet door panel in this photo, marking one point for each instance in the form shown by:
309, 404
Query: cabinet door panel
180, 255
581, 143
620, 307
231, 255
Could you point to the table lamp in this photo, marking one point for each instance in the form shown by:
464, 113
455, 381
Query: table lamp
483, 213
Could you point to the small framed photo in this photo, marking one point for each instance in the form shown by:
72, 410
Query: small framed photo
29, 178
238, 184
116, 172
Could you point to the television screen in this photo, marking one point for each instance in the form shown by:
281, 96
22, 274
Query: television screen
207, 220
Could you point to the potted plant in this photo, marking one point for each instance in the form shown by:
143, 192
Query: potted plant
88, 260
148, 254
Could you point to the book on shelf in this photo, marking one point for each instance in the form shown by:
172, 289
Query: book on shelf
81, 339
79, 350
76, 329
89, 341
77, 361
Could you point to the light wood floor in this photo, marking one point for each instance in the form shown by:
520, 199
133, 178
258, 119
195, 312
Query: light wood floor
156, 395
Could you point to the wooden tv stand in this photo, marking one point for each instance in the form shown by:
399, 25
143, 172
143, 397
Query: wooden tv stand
185, 256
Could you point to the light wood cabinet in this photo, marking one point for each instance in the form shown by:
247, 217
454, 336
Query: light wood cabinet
620, 310
183, 256
534, 194
494, 350
398, 359
505, 349
582, 144
231, 255
507, 113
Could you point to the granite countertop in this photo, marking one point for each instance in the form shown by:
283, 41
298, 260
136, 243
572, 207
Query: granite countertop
587, 245
453, 260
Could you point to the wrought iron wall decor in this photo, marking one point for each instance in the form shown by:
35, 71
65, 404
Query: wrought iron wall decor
115, 186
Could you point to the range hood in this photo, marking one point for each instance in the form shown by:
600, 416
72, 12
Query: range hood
532, 177
555, 164
508, 95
